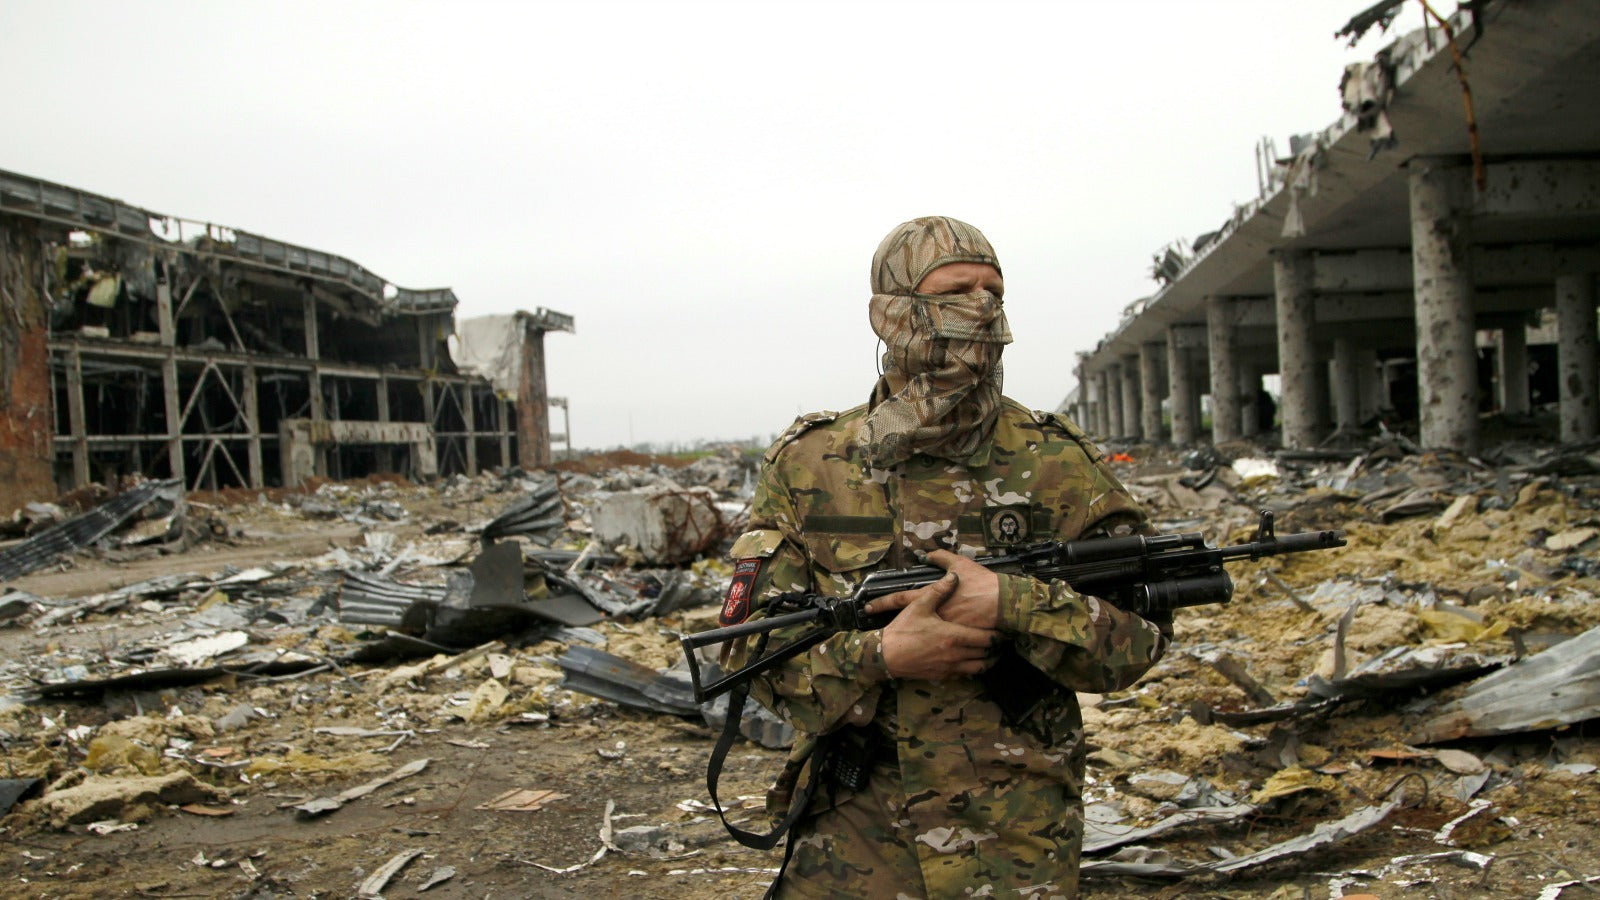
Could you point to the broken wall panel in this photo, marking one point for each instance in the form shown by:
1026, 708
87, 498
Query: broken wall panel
146, 346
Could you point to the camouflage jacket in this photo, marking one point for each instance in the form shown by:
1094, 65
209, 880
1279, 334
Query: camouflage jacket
821, 521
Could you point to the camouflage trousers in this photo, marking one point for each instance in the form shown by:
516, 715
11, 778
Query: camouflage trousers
867, 846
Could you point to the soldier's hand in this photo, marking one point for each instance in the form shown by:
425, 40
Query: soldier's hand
976, 601
920, 644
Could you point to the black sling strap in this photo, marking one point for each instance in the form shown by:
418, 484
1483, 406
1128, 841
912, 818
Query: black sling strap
797, 803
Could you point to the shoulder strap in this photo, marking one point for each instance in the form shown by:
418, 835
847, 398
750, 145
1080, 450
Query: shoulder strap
802, 424
1073, 431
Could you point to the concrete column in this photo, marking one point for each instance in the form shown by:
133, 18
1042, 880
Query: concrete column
1097, 406
1346, 386
1103, 382
469, 413
1152, 360
1196, 404
1097, 419
1080, 410
319, 452
1132, 422
1250, 423
1513, 374
75, 418
1225, 424
533, 403
502, 424
169, 373
1297, 358
1575, 323
1447, 359
1368, 370
386, 460
1114, 396
1323, 392
250, 400
1182, 393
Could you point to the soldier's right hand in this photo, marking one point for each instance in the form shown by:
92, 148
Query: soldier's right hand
919, 644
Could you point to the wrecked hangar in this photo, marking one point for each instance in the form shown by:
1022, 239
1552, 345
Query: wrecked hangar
143, 345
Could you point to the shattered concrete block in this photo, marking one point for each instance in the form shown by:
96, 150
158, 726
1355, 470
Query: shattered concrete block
666, 525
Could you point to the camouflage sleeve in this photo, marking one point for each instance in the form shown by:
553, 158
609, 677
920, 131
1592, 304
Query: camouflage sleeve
838, 681
1081, 642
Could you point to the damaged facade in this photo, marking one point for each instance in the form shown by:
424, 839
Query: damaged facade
1411, 263
139, 344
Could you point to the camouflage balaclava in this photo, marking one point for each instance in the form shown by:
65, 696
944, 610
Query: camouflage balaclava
940, 389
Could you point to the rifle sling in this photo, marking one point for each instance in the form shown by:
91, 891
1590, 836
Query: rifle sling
797, 803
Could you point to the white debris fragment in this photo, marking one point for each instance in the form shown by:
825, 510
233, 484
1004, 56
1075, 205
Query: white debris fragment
606, 844
1442, 836
200, 650
1251, 469
372, 887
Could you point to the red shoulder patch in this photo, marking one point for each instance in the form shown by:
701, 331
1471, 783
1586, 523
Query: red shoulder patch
736, 607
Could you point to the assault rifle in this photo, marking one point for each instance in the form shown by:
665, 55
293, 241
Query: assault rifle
1150, 576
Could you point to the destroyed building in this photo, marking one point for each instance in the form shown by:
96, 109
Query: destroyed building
1395, 264
477, 687
142, 344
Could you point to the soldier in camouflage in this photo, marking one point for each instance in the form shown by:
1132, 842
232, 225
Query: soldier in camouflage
970, 792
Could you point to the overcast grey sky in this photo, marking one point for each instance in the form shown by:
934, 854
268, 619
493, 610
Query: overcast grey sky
700, 184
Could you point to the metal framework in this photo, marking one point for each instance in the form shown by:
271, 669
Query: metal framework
186, 350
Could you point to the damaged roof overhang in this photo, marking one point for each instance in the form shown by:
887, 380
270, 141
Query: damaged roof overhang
73, 208
1536, 63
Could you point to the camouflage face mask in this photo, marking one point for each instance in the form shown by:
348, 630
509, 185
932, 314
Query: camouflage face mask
940, 389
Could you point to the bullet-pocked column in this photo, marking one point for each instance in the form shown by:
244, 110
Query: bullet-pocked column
1152, 359
1514, 370
1225, 424
1297, 358
1181, 392
1249, 407
1102, 396
1114, 400
1080, 410
1576, 323
1346, 387
1447, 360
1132, 418
1096, 423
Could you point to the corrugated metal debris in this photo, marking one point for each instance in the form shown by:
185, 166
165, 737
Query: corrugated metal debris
83, 531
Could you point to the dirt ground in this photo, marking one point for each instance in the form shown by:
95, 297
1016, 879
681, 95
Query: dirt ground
232, 829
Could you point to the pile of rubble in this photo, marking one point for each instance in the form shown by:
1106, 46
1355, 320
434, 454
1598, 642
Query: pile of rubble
1413, 709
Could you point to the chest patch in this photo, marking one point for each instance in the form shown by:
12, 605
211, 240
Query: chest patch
1008, 526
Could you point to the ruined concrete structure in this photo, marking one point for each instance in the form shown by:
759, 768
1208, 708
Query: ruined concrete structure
135, 343
1396, 261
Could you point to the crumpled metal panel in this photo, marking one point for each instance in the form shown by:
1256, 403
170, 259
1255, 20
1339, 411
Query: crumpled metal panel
75, 534
601, 674
366, 600
1557, 687
540, 515
1146, 862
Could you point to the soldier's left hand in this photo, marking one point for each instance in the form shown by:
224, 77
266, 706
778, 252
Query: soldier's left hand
976, 601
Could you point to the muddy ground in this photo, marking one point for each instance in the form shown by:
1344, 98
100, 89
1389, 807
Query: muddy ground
230, 829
